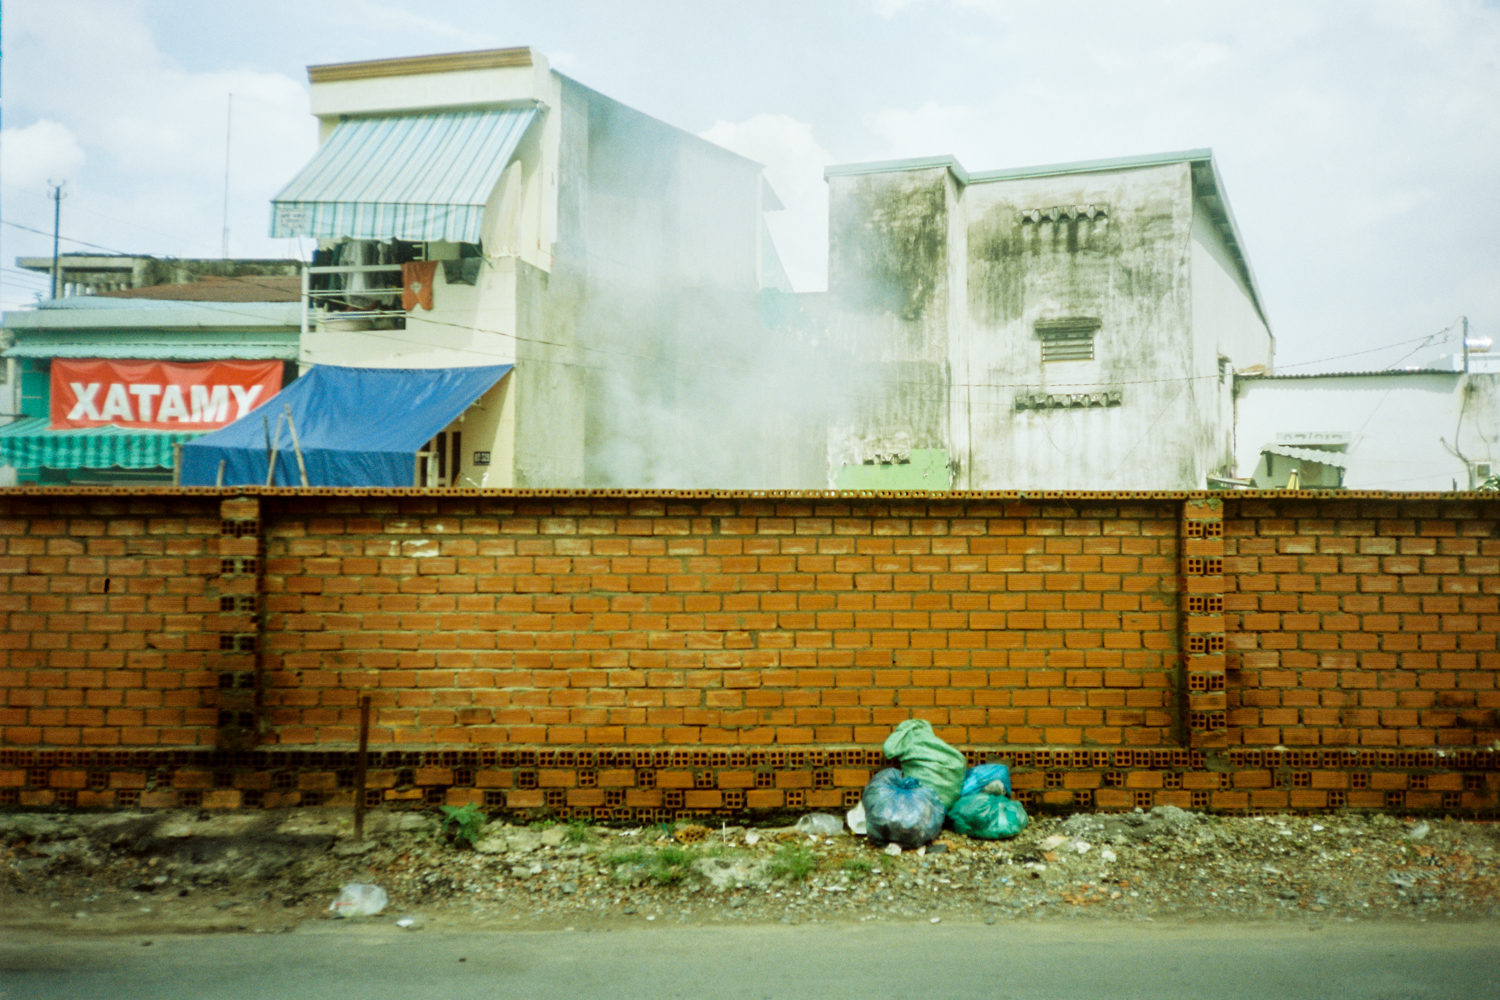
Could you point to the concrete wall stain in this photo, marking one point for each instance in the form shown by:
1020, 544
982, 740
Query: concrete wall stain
889, 236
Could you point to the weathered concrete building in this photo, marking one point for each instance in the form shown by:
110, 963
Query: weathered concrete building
480, 209
1074, 326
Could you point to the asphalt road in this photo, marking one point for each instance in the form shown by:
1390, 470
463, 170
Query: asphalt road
1007, 961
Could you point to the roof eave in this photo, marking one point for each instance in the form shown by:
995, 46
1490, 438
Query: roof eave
1206, 173
447, 62
949, 163
184, 316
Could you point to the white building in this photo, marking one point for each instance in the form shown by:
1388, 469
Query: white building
1429, 429
615, 260
1074, 326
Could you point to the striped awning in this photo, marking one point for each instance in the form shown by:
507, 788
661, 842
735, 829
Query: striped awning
409, 177
30, 444
1335, 459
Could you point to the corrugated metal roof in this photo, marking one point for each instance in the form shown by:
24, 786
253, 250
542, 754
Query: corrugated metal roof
1094, 166
1387, 371
93, 312
410, 177
158, 351
246, 288
29, 444
1332, 458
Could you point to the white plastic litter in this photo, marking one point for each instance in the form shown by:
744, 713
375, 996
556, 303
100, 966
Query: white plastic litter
356, 900
405, 922
821, 824
894, 850
856, 819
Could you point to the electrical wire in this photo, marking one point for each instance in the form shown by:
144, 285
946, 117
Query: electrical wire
76, 209
655, 360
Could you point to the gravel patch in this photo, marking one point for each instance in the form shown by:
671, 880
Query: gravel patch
273, 871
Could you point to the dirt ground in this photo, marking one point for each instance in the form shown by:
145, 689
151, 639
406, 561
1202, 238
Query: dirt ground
271, 871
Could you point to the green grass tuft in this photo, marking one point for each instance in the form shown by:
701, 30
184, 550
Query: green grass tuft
793, 863
667, 866
578, 832
858, 867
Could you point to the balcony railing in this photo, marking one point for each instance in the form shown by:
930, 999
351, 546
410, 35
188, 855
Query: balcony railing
355, 293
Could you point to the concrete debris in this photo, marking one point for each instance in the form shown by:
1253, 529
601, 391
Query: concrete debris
272, 870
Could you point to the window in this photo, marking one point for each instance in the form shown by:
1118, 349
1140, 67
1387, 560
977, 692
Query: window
1067, 339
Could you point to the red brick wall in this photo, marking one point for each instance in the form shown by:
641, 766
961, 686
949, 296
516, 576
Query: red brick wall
1119, 649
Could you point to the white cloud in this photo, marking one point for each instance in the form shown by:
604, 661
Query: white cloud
38, 154
398, 22
890, 8
794, 167
930, 130
154, 133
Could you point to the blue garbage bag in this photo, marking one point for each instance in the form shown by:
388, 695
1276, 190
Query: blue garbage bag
977, 777
901, 810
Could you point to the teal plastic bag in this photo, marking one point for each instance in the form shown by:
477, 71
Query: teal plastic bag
982, 775
928, 759
988, 817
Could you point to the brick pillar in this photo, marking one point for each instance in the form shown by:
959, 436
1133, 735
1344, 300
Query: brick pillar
239, 624
1203, 622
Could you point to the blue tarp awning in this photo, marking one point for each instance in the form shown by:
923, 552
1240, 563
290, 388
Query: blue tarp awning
356, 427
409, 177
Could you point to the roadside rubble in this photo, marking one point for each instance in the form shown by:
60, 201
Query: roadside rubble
191, 870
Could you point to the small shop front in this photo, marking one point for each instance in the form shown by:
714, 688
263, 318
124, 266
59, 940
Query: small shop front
108, 420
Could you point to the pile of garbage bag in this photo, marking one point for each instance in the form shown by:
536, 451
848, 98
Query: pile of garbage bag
935, 785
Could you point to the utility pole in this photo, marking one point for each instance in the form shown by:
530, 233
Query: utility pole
56, 229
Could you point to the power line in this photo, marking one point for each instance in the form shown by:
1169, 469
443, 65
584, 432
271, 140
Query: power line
680, 361
110, 218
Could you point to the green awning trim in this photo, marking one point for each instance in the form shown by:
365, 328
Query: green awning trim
30, 444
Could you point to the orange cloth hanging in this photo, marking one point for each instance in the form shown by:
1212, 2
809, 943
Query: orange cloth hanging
416, 283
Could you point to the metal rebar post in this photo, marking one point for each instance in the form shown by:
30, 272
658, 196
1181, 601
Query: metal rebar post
359, 767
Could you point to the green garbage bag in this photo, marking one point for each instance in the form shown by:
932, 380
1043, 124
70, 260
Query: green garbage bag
928, 759
988, 817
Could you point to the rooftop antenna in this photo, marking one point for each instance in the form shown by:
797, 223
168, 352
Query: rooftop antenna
228, 131
57, 197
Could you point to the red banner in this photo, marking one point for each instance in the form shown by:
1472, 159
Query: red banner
159, 395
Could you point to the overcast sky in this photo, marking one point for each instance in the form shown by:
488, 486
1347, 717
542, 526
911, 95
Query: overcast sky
1359, 142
